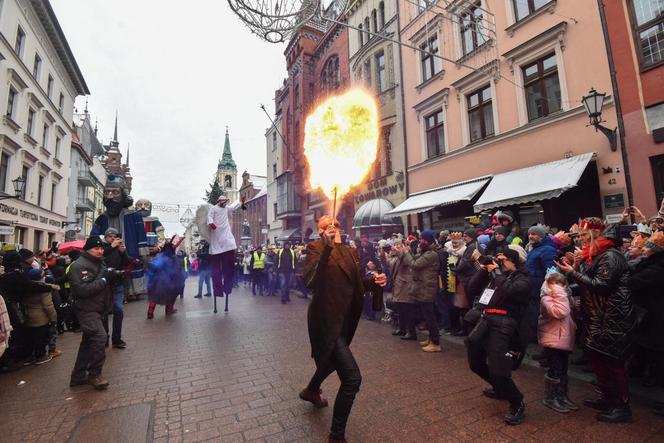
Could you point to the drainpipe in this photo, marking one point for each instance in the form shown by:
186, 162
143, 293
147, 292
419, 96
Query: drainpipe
403, 115
616, 99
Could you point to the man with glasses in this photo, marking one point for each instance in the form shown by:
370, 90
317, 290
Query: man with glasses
92, 300
332, 272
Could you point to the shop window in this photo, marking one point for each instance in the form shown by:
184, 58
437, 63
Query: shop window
472, 36
435, 134
430, 62
648, 30
523, 8
542, 87
480, 114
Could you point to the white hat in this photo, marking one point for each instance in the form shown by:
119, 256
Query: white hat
222, 198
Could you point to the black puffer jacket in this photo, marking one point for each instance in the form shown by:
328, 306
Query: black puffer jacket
607, 304
647, 285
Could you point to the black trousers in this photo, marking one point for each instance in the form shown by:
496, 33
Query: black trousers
341, 360
406, 317
92, 351
429, 313
490, 358
222, 266
38, 339
258, 280
558, 362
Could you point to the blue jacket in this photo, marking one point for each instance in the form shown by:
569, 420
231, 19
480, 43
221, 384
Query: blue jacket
540, 258
134, 233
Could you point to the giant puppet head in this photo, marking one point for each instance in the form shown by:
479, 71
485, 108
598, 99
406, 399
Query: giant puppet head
144, 207
116, 197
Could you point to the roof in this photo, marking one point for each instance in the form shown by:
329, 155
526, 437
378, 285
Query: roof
375, 213
259, 181
446, 195
518, 186
259, 195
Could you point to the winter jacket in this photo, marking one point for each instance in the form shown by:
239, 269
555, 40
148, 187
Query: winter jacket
89, 285
467, 267
15, 284
402, 275
40, 309
607, 304
424, 283
512, 290
540, 258
555, 327
647, 286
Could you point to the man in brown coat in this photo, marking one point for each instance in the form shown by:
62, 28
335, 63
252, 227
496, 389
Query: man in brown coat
332, 272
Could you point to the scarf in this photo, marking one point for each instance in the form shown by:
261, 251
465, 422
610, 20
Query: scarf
589, 253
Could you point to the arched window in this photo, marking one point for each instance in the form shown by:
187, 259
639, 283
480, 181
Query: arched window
381, 15
367, 27
329, 77
374, 21
360, 35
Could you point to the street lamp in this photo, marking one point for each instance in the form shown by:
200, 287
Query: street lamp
19, 186
593, 103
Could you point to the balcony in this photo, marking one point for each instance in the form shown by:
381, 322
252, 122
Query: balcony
84, 204
316, 199
288, 202
85, 178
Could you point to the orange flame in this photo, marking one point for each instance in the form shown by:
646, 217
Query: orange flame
341, 142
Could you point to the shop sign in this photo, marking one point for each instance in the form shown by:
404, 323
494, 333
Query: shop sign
6, 230
614, 201
380, 188
29, 215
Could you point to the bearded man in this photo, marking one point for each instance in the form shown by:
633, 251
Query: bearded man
130, 226
152, 226
332, 272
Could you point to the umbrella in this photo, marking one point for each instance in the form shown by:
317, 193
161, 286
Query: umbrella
69, 246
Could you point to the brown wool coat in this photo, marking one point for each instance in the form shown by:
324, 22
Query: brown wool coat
402, 276
334, 276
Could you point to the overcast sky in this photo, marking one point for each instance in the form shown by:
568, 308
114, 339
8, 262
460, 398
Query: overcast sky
177, 76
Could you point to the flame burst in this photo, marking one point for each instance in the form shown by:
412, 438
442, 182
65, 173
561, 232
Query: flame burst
341, 141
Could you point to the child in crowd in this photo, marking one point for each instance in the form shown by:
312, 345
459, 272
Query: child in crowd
40, 315
556, 332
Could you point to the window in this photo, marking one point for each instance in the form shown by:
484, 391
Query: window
296, 96
472, 29
61, 103
367, 28
360, 35
329, 79
542, 88
274, 208
38, 239
648, 29
435, 132
24, 173
381, 75
20, 41
54, 188
374, 21
31, 121
523, 8
4, 168
49, 86
430, 62
367, 73
11, 102
274, 170
40, 190
58, 142
274, 140
381, 15
480, 114
45, 137
36, 67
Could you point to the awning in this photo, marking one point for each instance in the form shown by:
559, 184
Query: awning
290, 234
535, 183
373, 214
447, 195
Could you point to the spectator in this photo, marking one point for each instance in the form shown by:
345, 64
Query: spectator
115, 255
257, 265
455, 286
204, 271
285, 268
405, 302
271, 270
40, 315
499, 241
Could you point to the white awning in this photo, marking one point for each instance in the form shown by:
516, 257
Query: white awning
447, 195
535, 183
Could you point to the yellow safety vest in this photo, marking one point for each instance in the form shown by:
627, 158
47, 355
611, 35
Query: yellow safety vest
259, 261
292, 258
67, 285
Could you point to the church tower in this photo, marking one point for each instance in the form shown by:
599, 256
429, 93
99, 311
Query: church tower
227, 171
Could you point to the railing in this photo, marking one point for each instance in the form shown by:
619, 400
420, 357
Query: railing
84, 204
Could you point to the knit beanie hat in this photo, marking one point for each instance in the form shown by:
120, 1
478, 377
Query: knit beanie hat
502, 230
428, 235
472, 233
523, 255
92, 242
539, 230
111, 231
25, 254
511, 255
35, 274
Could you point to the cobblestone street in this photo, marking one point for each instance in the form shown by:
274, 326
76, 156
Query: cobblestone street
235, 377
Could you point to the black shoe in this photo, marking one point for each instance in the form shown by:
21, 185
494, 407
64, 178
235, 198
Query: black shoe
408, 337
398, 332
198, 296
120, 344
601, 404
208, 295
459, 333
516, 415
619, 414
492, 393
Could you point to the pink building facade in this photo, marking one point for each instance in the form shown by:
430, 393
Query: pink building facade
510, 133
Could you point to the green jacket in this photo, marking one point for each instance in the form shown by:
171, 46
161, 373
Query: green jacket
424, 266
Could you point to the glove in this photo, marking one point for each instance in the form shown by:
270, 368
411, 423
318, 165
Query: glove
213, 226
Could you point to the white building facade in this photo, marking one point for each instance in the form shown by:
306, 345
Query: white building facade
39, 81
273, 148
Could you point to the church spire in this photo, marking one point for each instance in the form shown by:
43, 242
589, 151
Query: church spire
227, 162
127, 158
114, 142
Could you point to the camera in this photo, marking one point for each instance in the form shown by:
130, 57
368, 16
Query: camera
486, 260
112, 272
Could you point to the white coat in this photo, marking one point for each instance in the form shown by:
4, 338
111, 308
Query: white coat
221, 239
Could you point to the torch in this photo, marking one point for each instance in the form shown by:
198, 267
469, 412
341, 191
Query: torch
340, 144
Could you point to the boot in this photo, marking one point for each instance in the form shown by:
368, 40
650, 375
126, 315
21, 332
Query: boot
432, 347
170, 310
313, 397
620, 413
563, 398
398, 332
551, 393
151, 308
602, 403
425, 343
516, 414
98, 382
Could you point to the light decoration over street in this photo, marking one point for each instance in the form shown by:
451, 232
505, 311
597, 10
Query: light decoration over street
341, 142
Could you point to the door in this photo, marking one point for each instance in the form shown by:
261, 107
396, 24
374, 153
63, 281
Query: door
657, 164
